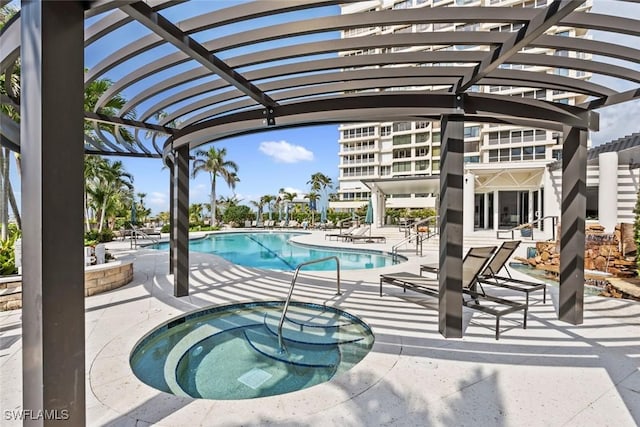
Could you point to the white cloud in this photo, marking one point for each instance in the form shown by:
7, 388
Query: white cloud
157, 201
283, 152
617, 121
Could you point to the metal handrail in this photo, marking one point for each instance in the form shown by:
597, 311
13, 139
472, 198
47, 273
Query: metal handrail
419, 239
293, 283
540, 221
136, 232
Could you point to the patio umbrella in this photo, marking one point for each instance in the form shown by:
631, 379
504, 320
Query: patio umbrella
368, 218
323, 214
133, 214
286, 213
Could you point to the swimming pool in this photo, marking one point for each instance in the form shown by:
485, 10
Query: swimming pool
276, 251
232, 352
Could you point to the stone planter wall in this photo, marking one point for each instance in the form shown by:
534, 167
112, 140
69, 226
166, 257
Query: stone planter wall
97, 279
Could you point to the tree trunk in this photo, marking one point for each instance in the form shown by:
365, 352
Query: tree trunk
103, 213
213, 200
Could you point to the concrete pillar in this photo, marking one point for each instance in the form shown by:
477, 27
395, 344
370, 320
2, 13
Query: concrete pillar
180, 222
496, 210
486, 211
51, 129
530, 214
572, 235
468, 208
608, 191
451, 223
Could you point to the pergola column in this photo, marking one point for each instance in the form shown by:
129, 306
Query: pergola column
53, 323
180, 222
451, 203
172, 240
572, 235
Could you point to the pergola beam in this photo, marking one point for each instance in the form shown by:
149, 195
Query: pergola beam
174, 35
498, 55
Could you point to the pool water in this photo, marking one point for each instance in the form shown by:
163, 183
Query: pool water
275, 251
542, 276
232, 352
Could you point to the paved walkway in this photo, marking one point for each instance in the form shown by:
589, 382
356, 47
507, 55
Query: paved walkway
551, 374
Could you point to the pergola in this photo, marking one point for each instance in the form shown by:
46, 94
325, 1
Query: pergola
200, 75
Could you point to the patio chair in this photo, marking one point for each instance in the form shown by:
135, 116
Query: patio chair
341, 235
474, 262
499, 261
358, 232
490, 274
364, 237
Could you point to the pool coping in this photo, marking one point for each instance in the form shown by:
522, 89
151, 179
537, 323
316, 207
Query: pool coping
124, 393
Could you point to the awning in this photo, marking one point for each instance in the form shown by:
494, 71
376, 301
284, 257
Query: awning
405, 185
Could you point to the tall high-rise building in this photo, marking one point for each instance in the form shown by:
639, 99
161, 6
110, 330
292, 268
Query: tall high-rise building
504, 164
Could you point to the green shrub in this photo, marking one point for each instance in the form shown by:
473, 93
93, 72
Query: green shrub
166, 228
238, 214
8, 256
92, 237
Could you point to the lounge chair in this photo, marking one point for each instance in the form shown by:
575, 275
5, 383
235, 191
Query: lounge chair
490, 274
364, 237
474, 262
499, 261
341, 235
358, 232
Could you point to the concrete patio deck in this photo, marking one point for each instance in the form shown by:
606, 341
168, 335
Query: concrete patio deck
551, 374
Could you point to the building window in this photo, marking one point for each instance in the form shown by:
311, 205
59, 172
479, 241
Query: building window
422, 137
472, 132
422, 165
401, 139
401, 126
435, 137
402, 167
422, 151
472, 147
402, 153
435, 166
436, 151
472, 159
385, 130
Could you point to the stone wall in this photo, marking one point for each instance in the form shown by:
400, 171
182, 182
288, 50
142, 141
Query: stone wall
97, 279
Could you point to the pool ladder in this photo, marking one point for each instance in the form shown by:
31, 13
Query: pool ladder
293, 283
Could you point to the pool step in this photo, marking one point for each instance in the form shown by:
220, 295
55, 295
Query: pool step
314, 334
306, 317
300, 354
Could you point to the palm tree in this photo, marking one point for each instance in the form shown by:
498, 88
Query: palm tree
288, 199
111, 181
320, 183
195, 212
213, 161
92, 93
259, 204
268, 200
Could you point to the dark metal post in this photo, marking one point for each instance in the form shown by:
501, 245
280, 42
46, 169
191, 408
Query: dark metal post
172, 239
451, 201
572, 235
53, 324
180, 222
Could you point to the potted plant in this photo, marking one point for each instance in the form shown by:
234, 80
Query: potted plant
526, 231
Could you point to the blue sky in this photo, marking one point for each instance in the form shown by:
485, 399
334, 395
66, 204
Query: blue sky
266, 162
